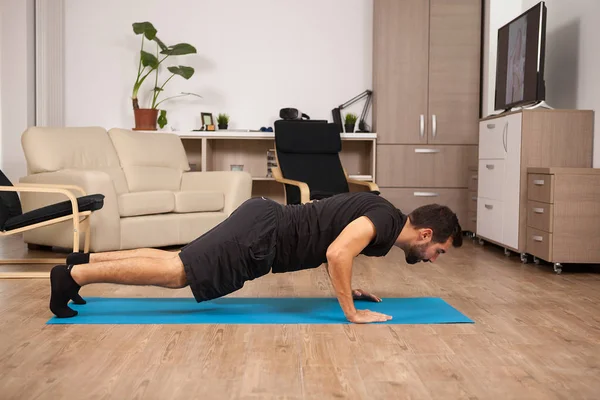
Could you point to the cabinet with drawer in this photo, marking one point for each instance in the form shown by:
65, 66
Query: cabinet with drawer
509, 144
563, 215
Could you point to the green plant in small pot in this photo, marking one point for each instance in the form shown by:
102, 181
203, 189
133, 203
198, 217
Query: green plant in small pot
147, 118
223, 121
349, 122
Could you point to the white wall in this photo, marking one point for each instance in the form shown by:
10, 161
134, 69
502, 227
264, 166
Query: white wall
572, 68
17, 94
254, 57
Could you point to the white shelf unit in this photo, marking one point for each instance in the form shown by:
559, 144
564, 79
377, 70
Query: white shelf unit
218, 150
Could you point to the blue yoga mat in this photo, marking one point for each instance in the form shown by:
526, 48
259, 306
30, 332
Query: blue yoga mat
235, 310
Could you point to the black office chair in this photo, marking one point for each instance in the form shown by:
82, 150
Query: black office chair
13, 220
308, 161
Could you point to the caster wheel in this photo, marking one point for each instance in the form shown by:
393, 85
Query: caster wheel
524, 258
507, 252
536, 260
557, 268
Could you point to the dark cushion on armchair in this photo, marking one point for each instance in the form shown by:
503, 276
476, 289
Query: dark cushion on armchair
90, 202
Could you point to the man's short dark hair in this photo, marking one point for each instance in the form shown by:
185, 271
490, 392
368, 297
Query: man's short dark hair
441, 220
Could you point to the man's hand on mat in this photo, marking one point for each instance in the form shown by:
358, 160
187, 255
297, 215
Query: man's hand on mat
368, 316
359, 294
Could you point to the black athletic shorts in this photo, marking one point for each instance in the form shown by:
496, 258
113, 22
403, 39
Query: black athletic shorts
239, 249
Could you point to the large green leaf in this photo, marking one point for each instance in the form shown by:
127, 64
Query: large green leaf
179, 49
185, 72
146, 28
148, 60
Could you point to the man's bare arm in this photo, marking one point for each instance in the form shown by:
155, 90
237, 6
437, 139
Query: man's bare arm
340, 256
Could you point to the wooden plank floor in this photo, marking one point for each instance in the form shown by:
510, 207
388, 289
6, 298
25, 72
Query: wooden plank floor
536, 336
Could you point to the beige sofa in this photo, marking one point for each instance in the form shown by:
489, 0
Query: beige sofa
151, 197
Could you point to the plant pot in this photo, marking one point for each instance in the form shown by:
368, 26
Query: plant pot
349, 128
223, 126
145, 119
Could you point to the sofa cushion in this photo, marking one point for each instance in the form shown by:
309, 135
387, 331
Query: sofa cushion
54, 149
198, 201
150, 160
146, 203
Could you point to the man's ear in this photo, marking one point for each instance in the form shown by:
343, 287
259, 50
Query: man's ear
425, 235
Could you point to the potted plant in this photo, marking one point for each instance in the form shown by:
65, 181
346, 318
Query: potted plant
223, 121
349, 122
147, 118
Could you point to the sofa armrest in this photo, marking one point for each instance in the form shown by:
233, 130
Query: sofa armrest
235, 185
104, 223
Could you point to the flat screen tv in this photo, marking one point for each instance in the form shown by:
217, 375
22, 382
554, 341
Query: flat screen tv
520, 60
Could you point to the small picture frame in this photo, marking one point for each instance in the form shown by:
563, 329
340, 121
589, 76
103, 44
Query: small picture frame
207, 121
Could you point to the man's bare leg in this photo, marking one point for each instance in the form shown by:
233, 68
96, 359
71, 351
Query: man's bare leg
67, 280
140, 253
88, 258
85, 258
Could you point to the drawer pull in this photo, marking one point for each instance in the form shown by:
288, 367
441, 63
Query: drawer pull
537, 238
538, 182
538, 210
474, 219
474, 198
491, 126
489, 206
474, 177
489, 166
425, 194
427, 151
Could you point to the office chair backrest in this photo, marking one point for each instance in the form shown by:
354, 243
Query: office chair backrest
10, 204
308, 151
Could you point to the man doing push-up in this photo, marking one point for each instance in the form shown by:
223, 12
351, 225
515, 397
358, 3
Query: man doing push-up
263, 236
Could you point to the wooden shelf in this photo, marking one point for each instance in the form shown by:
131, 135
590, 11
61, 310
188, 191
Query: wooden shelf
226, 134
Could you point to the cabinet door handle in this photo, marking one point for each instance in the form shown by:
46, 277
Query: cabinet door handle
434, 125
489, 206
427, 151
538, 182
425, 194
537, 238
422, 126
491, 126
505, 137
489, 166
538, 210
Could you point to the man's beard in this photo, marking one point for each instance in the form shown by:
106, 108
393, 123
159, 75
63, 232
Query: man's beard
415, 254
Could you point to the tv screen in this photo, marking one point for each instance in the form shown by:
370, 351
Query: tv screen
520, 59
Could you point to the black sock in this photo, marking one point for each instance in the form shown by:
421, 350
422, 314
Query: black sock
63, 288
78, 258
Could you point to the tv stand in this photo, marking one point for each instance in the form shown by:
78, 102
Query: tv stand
539, 104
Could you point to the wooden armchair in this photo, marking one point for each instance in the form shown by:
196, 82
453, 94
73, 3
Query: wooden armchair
308, 162
14, 221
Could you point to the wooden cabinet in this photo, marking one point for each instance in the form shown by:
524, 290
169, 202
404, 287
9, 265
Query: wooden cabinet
426, 83
508, 145
563, 215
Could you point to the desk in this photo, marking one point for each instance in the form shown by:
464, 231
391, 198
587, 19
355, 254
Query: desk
218, 150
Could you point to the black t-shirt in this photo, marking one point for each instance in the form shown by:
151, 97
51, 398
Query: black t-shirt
306, 231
